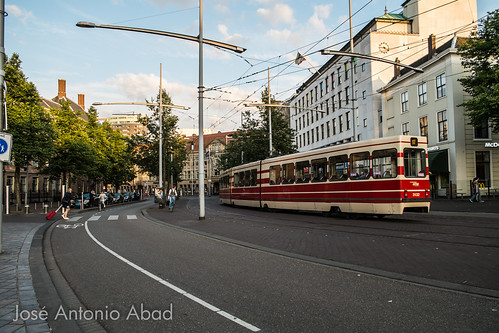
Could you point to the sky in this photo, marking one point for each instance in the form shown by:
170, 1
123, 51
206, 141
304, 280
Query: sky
118, 66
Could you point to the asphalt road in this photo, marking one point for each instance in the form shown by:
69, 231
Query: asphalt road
136, 274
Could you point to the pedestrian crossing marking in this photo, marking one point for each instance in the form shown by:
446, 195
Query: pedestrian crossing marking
94, 218
75, 218
113, 217
109, 218
131, 217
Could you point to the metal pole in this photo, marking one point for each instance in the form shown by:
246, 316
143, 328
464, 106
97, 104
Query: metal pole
201, 125
161, 126
2, 80
354, 129
270, 114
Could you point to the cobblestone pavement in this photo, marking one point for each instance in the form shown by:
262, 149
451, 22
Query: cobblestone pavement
18, 301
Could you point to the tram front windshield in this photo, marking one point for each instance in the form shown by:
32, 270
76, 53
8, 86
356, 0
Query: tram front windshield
414, 163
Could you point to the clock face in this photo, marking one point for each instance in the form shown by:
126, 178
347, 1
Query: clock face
383, 47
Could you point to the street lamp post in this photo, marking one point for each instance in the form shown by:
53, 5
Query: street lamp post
161, 106
201, 41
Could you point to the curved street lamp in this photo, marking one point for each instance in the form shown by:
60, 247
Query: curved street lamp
200, 39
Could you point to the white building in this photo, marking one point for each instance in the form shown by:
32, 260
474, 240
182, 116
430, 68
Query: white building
428, 104
391, 36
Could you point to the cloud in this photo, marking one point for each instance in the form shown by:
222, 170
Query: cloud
317, 20
21, 14
279, 14
228, 38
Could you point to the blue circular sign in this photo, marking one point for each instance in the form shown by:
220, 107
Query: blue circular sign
4, 146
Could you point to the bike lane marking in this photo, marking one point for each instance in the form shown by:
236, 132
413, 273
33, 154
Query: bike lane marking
173, 287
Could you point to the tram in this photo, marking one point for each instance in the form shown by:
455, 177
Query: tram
379, 176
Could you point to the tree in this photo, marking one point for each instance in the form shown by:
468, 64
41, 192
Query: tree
28, 122
114, 160
75, 154
479, 56
251, 142
146, 146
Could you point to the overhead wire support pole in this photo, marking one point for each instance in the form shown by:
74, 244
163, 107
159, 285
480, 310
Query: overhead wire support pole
201, 123
352, 91
201, 41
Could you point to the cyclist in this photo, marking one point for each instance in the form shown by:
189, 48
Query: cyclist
172, 194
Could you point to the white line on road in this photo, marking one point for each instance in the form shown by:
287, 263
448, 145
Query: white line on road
131, 217
94, 218
173, 287
113, 217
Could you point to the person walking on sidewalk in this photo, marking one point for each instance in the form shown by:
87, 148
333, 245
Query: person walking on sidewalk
476, 191
172, 196
66, 202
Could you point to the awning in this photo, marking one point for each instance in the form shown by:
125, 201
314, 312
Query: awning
439, 161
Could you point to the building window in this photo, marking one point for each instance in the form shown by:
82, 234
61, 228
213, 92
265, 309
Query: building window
423, 126
312, 117
308, 138
364, 94
317, 133
327, 84
322, 131
422, 94
482, 131
442, 125
333, 83
339, 99
440, 82
328, 129
322, 87
347, 95
334, 126
347, 116
363, 67
347, 71
333, 103
313, 136
339, 76
341, 123
405, 129
482, 160
404, 100
308, 100
365, 122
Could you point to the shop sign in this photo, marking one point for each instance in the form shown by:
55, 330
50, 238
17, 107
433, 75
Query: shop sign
491, 144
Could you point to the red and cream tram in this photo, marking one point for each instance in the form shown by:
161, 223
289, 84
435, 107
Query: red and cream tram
380, 176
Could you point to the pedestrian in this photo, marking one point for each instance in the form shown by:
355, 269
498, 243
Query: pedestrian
476, 190
92, 198
102, 200
66, 203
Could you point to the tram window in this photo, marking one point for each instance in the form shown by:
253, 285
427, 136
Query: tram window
253, 177
288, 173
275, 175
302, 172
238, 179
359, 166
414, 162
247, 176
319, 169
385, 163
338, 167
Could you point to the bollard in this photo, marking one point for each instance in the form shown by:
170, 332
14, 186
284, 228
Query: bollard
45, 208
26, 209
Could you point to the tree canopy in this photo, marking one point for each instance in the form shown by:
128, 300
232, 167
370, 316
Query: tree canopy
146, 145
479, 56
251, 142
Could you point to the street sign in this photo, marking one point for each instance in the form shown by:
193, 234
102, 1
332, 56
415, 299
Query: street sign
5, 147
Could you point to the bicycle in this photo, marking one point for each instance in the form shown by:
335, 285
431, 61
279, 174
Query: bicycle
172, 203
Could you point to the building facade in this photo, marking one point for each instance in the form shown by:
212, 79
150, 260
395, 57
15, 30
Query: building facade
428, 104
214, 145
351, 109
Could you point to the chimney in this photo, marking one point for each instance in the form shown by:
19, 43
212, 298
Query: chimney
62, 89
81, 101
396, 68
431, 46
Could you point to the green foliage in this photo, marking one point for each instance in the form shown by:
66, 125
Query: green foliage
146, 146
251, 142
28, 122
479, 57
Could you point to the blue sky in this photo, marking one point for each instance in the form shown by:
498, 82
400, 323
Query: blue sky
117, 66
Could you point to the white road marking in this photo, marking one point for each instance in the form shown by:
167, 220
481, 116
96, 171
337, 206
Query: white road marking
131, 217
113, 217
172, 286
94, 218
75, 218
